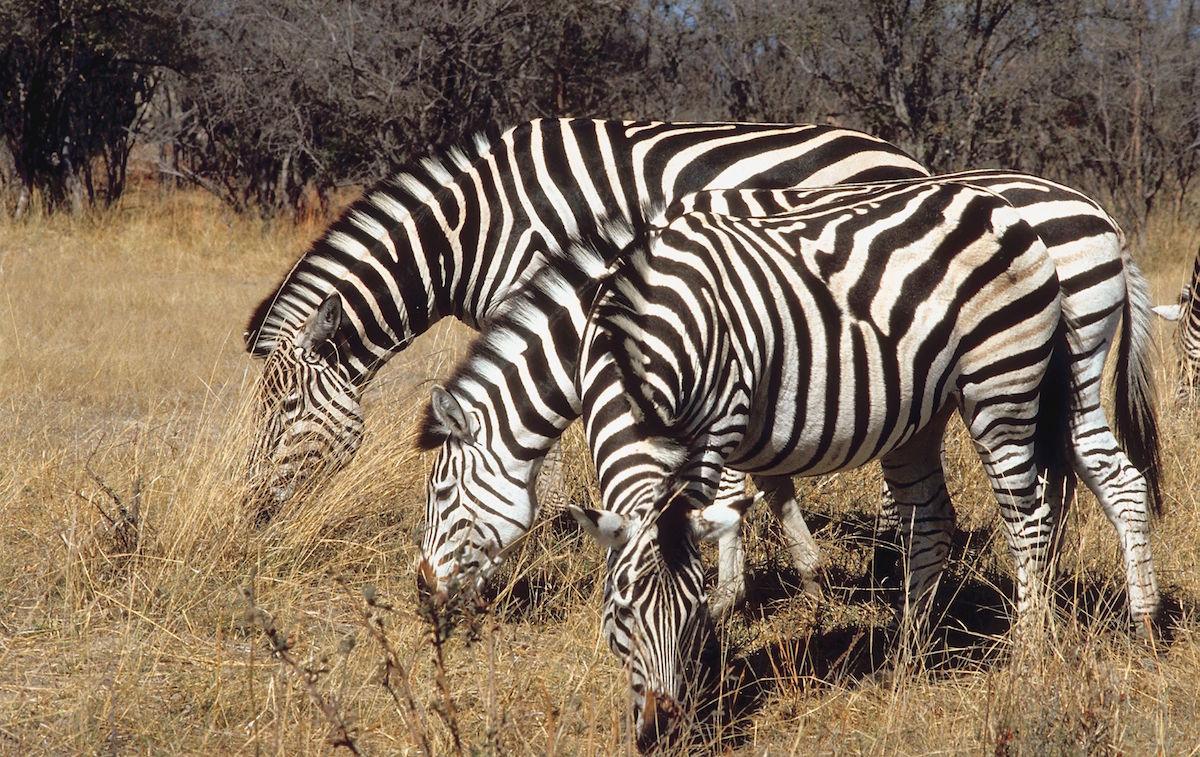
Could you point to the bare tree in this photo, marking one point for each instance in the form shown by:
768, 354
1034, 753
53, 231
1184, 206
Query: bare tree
270, 104
297, 97
74, 80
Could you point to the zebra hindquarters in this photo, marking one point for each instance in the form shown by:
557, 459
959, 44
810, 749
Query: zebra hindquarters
1019, 418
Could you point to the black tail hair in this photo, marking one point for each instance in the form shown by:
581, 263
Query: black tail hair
1052, 448
1137, 424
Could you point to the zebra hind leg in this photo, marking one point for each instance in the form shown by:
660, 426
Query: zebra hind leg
1121, 489
1122, 492
917, 484
1023, 439
1029, 509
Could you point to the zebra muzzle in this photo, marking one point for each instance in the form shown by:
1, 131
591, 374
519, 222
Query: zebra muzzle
660, 714
427, 585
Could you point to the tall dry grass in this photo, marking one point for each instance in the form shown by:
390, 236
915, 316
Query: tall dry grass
128, 559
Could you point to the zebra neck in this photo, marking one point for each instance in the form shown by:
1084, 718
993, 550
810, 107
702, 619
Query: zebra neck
525, 404
468, 248
521, 372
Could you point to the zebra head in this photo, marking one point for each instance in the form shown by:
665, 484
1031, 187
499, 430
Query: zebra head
479, 501
310, 419
655, 614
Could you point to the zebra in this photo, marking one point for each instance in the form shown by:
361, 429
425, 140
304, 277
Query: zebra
1187, 336
780, 345
515, 393
454, 235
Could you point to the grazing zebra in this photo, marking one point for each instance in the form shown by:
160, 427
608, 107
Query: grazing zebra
512, 397
1187, 336
806, 343
454, 235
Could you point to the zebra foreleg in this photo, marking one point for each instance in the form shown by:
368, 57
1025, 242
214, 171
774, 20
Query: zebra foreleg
731, 559
549, 487
780, 493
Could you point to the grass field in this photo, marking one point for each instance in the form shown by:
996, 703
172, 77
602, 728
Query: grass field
127, 557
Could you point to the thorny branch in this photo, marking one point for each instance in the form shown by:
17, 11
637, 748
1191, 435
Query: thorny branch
308, 676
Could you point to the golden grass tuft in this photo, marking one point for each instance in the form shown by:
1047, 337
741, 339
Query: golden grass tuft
124, 383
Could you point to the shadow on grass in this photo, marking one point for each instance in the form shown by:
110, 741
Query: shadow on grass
971, 625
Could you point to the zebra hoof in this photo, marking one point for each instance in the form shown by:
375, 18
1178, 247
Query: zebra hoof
812, 588
1146, 629
723, 604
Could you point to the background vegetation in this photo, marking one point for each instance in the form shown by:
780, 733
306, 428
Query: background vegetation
271, 104
126, 552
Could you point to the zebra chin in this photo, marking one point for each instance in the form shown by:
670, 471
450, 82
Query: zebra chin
264, 501
267, 494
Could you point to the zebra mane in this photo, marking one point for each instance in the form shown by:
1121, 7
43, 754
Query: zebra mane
620, 331
381, 209
573, 272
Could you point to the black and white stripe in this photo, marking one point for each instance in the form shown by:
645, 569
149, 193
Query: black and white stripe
453, 235
815, 341
1187, 335
518, 388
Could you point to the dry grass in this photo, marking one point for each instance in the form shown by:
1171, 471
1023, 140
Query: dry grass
120, 353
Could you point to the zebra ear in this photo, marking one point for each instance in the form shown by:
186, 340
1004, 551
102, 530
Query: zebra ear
449, 414
323, 324
719, 520
608, 528
1169, 312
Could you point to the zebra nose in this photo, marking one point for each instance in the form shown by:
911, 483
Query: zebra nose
659, 714
427, 585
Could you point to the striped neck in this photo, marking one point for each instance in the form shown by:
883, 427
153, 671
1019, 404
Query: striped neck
520, 373
392, 256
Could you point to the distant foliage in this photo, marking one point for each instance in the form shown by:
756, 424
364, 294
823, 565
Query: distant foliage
270, 104
75, 79
294, 98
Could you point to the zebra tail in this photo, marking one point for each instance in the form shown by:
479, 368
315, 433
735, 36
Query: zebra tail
1052, 447
1137, 424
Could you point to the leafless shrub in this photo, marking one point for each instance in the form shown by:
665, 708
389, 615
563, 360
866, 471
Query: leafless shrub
309, 675
74, 82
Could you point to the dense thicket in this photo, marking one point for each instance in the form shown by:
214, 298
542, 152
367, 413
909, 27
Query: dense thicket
75, 81
271, 103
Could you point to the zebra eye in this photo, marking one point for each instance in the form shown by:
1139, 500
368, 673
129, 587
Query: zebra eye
291, 403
